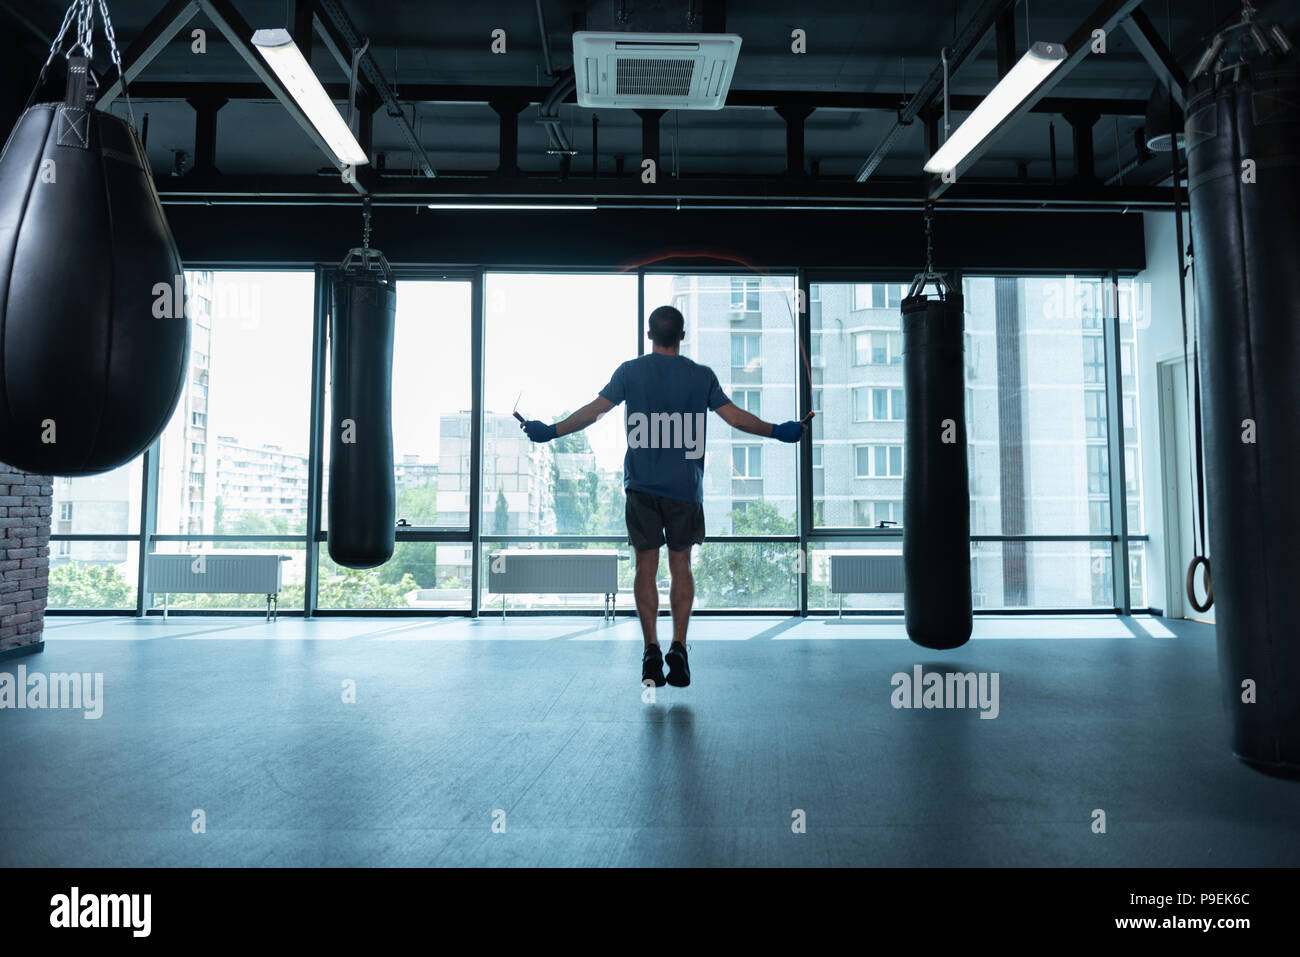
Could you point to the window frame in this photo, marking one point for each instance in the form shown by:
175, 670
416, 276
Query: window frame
811, 528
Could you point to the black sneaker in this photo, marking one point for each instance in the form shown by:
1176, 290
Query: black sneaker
679, 672
652, 667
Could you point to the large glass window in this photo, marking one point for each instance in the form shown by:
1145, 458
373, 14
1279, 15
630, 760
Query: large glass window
754, 354
1040, 575
233, 459
1037, 428
103, 578
98, 573
857, 373
1134, 310
823, 555
749, 488
420, 575
552, 342
431, 402
1037, 432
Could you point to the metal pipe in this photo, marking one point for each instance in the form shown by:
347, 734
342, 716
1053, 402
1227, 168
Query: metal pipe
546, 40
333, 10
1051, 143
1152, 203
947, 103
963, 46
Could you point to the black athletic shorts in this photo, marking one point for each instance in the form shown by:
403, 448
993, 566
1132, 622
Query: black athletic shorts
652, 520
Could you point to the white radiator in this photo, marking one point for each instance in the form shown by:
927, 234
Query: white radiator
866, 573
230, 572
517, 571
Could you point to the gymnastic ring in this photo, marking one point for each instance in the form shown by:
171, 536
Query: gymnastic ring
1191, 584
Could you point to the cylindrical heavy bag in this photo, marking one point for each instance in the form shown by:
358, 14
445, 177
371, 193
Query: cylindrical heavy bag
1243, 154
93, 333
362, 499
936, 494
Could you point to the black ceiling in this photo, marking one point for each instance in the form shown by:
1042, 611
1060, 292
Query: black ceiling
863, 47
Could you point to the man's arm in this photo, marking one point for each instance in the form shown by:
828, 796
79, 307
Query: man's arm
587, 415
738, 418
539, 431
746, 421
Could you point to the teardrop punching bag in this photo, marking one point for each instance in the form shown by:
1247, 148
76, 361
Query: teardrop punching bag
93, 332
1243, 156
936, 494
362, 499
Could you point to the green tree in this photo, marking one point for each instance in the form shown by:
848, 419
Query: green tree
573, 498
610, 514
78, 585
419, 506
359, 588
501, 515
255, 523
573, 442
218, 516
749, 575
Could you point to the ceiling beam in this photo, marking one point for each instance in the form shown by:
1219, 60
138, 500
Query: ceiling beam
965, 44
458, 94
335, 45
240, 35
333, 11
1005, 34
794, 117
43, 40
1146, 38
151, 41
1105, 17
628, 192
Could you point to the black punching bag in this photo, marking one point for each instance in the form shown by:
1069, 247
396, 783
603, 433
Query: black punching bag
362, 500
1243, 155
93, 333
936, 496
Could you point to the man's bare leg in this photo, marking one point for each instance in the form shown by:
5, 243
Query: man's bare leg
645, 588
681, 595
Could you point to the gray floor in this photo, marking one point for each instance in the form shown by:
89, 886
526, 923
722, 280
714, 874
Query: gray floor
543, 719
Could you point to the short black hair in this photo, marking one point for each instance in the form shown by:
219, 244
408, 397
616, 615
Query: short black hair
667, 326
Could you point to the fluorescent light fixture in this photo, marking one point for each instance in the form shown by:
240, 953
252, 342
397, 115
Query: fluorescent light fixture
544, 206
1025, 77
283, 56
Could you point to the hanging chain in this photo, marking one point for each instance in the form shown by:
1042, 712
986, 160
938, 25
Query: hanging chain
116, 57
365, 223
57, 45
929, 239
112, 38
85, 29
83, 13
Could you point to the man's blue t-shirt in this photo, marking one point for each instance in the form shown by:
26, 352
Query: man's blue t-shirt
668, 401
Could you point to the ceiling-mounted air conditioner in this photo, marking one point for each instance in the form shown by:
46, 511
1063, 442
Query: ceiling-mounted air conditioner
664, 71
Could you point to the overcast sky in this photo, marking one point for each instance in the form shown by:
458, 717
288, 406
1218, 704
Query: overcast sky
555, 338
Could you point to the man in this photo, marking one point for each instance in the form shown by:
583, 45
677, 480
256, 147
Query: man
667, 398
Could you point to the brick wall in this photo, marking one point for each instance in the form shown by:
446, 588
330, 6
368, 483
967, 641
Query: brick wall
25, 508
